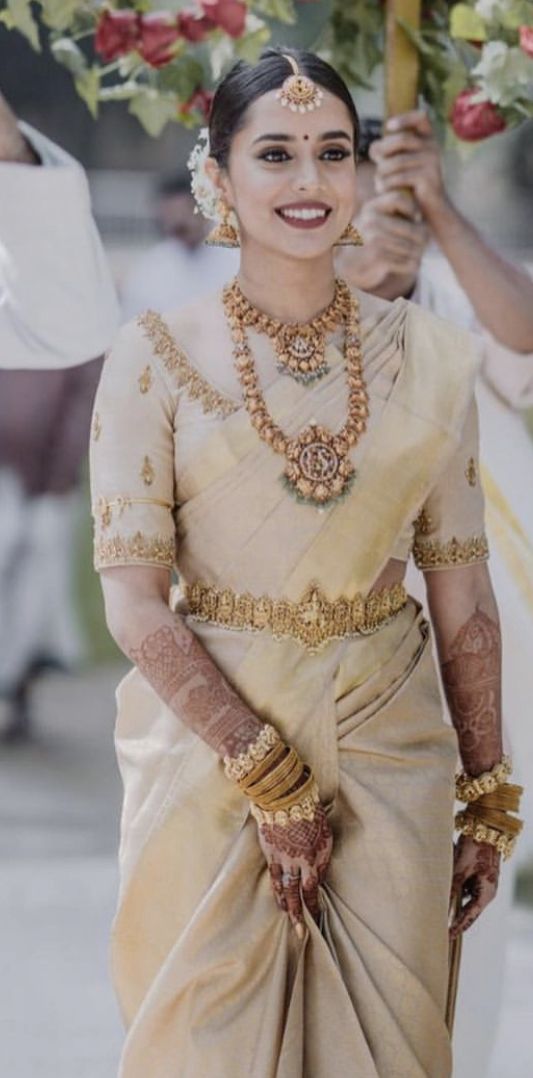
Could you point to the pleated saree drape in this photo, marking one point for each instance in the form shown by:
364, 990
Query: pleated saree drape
211, 977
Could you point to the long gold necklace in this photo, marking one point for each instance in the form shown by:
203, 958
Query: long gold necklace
318, 470
300, 346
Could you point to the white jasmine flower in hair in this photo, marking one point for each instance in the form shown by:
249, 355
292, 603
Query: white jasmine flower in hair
205, 193
502, 71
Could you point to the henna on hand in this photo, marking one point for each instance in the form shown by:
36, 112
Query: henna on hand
298, 856
472, 679
173, 660
475, 877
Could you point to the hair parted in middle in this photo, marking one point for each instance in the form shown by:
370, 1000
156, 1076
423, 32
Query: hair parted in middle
246, 82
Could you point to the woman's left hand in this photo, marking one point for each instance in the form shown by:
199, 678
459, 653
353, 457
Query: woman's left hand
476, 870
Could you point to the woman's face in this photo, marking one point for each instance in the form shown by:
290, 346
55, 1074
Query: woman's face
291, 176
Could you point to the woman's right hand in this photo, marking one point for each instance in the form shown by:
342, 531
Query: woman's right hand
298, 856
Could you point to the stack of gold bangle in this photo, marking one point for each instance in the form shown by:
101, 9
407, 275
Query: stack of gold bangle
267, 774
490, 799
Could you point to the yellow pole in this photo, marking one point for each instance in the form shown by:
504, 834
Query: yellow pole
401, 57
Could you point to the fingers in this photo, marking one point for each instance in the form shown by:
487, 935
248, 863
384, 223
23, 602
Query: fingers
416, 120
291, 881
310, 894
395, 203
276, 876
481, 893
390, 145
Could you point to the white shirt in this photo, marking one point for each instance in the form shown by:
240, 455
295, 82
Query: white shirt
58, 305
170, 274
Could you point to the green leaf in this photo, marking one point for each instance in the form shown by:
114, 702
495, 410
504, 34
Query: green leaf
283, 10
249, 46
124, 91
67, 53
153, 110
58, 14
88, 87
181, 77
465, 23
23, 20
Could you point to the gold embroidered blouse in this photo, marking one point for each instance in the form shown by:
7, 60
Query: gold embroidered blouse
170, 438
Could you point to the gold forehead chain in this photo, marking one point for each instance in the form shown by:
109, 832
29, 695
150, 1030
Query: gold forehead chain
299, 93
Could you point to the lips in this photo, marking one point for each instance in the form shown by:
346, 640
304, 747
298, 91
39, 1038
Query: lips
304, 214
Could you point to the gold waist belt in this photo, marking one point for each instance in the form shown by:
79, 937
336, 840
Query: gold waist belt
313, 621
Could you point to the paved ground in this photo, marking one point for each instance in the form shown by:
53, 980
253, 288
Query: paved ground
59, 811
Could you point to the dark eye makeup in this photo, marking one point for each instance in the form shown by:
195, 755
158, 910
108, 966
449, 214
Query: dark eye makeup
277, 155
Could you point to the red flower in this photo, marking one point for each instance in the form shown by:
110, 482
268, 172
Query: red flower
158, 32
199, 101
228, 15
472, 122
117, 33
526, 39
194, 27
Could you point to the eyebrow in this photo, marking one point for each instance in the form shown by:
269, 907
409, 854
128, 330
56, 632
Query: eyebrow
281, 137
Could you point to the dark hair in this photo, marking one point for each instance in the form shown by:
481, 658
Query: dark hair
245, 82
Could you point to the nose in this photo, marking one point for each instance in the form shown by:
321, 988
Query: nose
308, 176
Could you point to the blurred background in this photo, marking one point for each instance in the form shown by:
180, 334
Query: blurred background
60, 790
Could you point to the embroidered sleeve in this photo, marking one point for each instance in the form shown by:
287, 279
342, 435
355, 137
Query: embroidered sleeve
449, 530
132, 458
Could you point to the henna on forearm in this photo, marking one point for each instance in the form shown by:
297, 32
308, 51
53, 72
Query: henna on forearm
472, 683
176, 665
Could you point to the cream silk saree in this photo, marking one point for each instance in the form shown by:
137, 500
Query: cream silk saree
211, 978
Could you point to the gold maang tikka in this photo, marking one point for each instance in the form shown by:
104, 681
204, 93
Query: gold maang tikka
299, 93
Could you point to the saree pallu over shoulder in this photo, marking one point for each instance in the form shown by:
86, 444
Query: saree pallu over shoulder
231, 487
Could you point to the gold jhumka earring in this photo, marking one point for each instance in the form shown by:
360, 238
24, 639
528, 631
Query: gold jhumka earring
351, 237
224, 234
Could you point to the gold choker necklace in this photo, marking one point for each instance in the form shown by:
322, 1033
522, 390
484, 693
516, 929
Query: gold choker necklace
318, 469
300, 346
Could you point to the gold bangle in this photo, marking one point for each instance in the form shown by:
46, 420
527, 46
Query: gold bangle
293, 798
506, 797
468, 825
275, 777
498, 818
236, 767
470, 788
277, 752
272, 797
304, 810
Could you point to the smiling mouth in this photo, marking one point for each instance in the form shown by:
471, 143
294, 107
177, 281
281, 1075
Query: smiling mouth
304, 216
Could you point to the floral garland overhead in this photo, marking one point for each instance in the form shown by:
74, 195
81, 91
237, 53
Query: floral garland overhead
476, 57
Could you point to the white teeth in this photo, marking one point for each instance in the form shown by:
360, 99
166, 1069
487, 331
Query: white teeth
304, 215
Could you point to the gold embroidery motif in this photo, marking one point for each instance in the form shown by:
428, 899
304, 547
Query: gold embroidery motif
145, 379
423, 523
104, 507
313, 621
147, 472
97, 427
120, 549
471, 472
432, 554
177, 363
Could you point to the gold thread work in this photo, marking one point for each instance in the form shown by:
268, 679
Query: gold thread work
313, 621
122, 550
147, 472
103, 508
433, 554
177, 364
471, 473
145, 380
